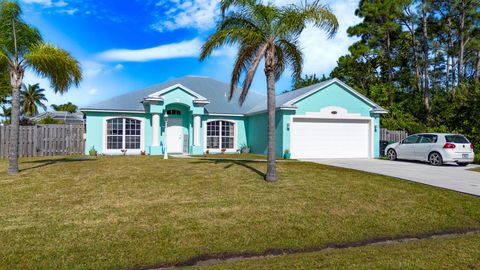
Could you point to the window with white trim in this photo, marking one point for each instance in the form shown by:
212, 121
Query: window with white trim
123, 133
220, 135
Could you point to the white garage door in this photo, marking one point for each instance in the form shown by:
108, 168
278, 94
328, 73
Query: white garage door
329, 138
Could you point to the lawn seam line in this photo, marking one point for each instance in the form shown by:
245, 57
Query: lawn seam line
212, 259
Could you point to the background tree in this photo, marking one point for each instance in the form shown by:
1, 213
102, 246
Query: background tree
67, 107
308, 80
264, 31
22, 47
419, 59
6, 114
32, 97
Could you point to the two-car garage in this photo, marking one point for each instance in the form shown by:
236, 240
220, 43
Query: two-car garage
320, 137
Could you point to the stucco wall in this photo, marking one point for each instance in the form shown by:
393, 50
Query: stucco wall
95, 124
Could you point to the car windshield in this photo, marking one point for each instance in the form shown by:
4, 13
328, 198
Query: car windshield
456, 139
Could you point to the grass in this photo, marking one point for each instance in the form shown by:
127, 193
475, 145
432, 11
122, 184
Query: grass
452, 253
235, 156
477, 169
127, 212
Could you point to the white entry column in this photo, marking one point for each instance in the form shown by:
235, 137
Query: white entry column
196, 130
155, 129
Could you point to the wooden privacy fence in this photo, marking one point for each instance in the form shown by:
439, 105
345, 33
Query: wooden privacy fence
45, 140
392, 135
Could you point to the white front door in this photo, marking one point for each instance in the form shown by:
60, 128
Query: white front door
330, 138
175, 135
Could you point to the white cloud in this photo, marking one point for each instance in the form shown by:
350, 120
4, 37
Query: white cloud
60, 3
320, 53
177, 14
92, 69
40, 2
118, 67
70, 11
93, 92
189, 48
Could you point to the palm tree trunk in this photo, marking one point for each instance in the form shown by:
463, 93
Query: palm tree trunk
271, 175
16, 76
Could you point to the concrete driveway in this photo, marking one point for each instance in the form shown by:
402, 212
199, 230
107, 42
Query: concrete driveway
448, 176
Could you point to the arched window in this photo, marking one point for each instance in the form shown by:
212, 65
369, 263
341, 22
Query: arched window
123, 133
220, 135
173, 112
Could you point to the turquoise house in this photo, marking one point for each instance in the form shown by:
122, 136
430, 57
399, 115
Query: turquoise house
192, 115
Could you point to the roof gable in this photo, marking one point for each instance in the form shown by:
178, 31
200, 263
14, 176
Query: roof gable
160, 94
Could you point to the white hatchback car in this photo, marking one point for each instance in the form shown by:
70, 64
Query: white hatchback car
436, 148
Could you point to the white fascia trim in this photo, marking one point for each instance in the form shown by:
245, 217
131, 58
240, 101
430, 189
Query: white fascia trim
158, 94
224, 114
380, 111
335, 80
283, 108
114, 111
153, 99
361, 118
201, 101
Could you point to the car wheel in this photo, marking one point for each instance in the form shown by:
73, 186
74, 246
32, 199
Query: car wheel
462, 164
391, 154
435, 159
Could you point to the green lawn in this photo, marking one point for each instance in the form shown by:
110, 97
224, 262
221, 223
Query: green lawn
453, 253
235, 156
126, 212
477, 169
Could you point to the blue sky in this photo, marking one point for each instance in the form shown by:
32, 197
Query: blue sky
130, 44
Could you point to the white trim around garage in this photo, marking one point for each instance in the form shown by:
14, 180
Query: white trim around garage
334, 115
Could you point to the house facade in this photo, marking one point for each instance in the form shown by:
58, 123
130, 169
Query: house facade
192, 115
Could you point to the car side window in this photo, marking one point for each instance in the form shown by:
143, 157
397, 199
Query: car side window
428, 139
411, 139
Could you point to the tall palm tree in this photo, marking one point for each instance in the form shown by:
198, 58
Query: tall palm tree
21, 48
67, 107
264, 31
31, 98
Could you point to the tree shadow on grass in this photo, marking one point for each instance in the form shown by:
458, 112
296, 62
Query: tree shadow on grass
50, 161
229, 163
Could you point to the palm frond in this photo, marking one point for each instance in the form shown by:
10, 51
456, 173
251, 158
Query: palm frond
232, 36
244, 58
227, 4
294, 18
25, 34
56, 64
293, 56
251, 72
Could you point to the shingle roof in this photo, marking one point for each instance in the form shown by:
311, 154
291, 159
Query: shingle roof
66, 117
216, 92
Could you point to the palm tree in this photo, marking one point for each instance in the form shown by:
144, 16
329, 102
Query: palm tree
264, 31
31, 98
67, 107
21, 48
6, 114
